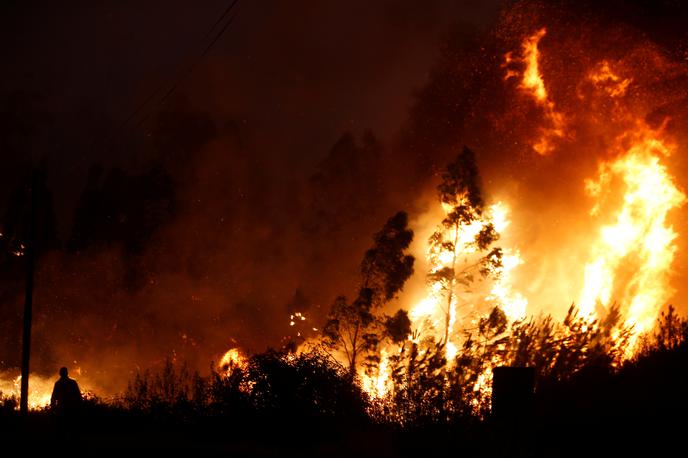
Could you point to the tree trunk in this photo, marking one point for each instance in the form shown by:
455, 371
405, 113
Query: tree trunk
452, 284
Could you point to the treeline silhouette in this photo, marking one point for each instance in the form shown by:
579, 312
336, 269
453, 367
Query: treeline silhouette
585, 401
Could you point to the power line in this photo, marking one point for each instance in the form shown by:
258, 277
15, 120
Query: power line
222, 17
222, 31
193, 65
175, 84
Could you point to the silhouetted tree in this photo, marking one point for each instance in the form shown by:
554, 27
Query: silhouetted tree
468, 378
353, 327
418, 381
558, 350
308, 385
170, 394
669, 332
398, 326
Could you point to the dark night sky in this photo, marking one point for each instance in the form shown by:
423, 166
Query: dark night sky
294, 75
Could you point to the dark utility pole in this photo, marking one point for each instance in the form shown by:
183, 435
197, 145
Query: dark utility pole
28, 300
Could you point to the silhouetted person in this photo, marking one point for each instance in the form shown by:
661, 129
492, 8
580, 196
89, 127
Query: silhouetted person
66, 398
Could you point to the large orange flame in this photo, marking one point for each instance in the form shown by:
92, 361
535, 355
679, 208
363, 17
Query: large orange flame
637, 243
631, 244
532, 83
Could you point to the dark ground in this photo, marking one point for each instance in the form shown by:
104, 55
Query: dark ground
638, 411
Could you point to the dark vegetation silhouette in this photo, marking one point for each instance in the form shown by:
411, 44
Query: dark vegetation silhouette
356, 328
307, 403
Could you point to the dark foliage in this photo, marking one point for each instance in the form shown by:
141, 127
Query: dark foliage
462, 179
385, 268
309, 386
398, 326
306, 404
353, 328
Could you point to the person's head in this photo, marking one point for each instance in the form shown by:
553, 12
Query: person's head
63, 372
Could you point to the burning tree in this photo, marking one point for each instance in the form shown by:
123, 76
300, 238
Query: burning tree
419, 375
461, 249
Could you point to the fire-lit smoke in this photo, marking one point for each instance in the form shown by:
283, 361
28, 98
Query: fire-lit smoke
631, 254
627, 245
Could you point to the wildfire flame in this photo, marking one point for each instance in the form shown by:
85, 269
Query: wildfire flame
40, 388
632, 244
532, 79
533, 84
233, 358
638, 239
